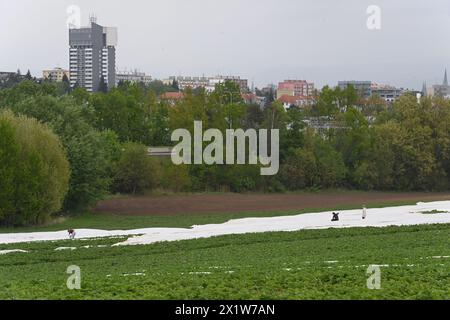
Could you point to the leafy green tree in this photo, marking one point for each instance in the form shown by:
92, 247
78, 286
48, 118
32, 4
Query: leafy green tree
383, 166
191, 108
80, 95
158, 122
9, 157
241, 178
91, 153
292, 136
28, 76
254, 117
102, 86
136, 171
124, 111
34, 172
299, 171
373, 106
353, 142
275, 116
176, 178
348, 97
175, 85
227, 96
331, 170
158, 87
327, 103
420, 166
228, 92
65, 84
440, 109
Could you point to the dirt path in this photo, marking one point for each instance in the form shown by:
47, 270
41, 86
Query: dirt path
224, 203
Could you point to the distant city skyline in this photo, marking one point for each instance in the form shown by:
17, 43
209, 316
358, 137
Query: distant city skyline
264, 41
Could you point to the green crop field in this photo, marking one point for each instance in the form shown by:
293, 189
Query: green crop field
310, 264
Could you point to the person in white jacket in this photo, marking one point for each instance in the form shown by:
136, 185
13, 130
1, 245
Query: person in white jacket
364, 213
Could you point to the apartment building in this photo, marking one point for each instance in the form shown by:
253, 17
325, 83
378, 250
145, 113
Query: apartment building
386, 92
209, 83
55, 74
92, 56
133, 77
364, 88
296, 88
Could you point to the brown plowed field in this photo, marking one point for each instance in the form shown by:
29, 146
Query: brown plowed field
229, 203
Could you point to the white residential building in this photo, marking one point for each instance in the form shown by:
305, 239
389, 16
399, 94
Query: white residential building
133, 76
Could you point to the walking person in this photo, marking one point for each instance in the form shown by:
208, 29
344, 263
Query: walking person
364, 212
72, 234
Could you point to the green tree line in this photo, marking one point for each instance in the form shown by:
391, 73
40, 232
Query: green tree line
104, 137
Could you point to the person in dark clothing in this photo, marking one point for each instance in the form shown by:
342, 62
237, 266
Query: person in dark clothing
335, 216
71, 233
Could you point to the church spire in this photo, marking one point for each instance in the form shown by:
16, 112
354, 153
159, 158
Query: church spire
424, 89
445, 79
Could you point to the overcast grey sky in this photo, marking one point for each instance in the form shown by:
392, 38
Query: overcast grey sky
263, 40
